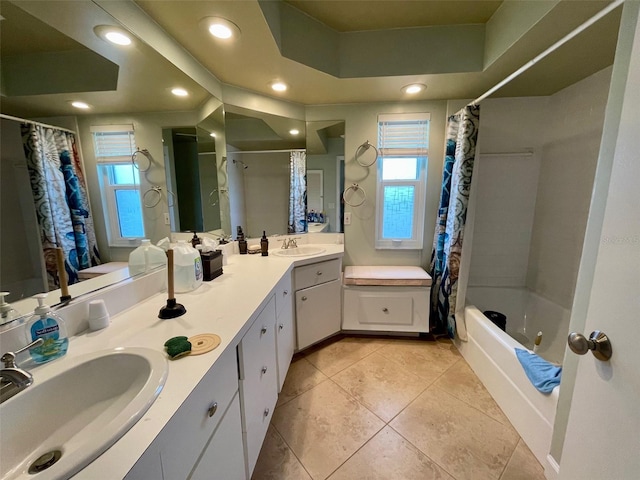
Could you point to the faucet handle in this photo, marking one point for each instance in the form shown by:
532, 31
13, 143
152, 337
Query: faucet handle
9, 358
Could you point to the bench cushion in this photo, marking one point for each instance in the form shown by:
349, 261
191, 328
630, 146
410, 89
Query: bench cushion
386, 275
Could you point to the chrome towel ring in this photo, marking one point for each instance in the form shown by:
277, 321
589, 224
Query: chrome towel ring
144, 152
152, 197
362, 149
355, 188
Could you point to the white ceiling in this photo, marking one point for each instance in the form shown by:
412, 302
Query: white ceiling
254, 60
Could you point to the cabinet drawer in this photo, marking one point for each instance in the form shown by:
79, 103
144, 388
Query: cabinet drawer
317, 273
283, 294
192, 425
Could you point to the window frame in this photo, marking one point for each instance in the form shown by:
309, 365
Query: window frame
108, 189
416, 242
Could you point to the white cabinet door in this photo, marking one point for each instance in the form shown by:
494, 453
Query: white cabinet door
318, 311
223, 458
258, 380
285, 342
148, 466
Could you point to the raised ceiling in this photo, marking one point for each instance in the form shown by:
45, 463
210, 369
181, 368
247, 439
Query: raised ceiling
278, 43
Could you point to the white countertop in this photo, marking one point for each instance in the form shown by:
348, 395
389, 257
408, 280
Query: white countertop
226, 306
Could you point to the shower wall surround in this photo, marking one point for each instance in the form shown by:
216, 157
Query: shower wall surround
531, 211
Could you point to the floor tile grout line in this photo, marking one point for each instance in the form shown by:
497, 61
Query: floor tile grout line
510, 457
291, 450
358, 401
357, 450
428, 456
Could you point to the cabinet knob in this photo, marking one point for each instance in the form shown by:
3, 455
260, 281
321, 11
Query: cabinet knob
281, 326
264, 330
385, 310
264, 370
304, 299
319, 272
285, 293
213, 408
266, 412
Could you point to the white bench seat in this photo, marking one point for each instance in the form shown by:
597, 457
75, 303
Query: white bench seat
385, 299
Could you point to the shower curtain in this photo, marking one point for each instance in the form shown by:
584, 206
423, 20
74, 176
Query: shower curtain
462, 134
60, 196
298, 192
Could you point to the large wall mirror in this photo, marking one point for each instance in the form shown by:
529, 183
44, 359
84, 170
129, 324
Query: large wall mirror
240, 176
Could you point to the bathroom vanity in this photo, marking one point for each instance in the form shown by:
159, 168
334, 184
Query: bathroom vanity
211, 417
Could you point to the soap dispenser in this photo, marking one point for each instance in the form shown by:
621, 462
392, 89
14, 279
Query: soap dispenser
242, 243
7, 312
264, 244
51, 328
195, 240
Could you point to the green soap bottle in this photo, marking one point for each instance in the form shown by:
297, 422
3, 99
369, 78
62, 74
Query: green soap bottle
51, 328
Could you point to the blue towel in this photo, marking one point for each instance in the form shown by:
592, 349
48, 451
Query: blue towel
543, 375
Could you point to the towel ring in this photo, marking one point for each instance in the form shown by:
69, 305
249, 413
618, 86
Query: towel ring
146, 153
152, 200
363, 148
355, 187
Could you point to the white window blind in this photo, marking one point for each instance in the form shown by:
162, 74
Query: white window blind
113, 143
403, 135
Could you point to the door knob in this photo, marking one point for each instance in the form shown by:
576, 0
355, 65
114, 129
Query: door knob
597, 342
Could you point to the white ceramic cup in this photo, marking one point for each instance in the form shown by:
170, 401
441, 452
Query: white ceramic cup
98, 315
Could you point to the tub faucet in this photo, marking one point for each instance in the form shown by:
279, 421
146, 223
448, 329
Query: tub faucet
12, 378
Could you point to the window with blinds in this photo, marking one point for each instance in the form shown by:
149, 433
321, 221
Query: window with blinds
403, 143
119, 183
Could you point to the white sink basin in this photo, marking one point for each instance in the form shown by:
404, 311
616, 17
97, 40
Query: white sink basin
79, 412
302, 251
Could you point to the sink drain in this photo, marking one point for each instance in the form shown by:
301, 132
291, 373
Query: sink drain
45, 461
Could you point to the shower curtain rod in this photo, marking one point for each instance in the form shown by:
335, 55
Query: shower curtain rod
552, 48
270, 151
24, 120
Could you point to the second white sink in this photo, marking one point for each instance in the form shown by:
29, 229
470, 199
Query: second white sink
302, 251
79, 413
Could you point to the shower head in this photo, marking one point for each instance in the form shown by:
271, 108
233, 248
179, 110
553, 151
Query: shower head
244, 165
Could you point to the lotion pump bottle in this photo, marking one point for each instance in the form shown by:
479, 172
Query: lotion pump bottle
51, 328
7, 312
264, 244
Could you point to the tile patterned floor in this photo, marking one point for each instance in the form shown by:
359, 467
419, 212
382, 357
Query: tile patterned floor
393, 409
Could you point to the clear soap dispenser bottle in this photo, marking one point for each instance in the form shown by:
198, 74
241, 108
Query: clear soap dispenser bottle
7, 312
51, 328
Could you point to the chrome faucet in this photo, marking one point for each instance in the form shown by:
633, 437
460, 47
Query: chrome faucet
290, 243
12, 378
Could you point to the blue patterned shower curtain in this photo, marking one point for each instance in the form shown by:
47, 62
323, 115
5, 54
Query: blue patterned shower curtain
462, 134
61, 200
298, 192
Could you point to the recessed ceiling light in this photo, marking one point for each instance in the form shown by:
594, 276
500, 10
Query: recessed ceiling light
212, 134
414, 88
221, 27
81, 105
117, 38
279, 86
179, 92
294, 131
113, 34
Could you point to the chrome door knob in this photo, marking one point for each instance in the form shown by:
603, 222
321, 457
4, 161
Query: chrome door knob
597, 342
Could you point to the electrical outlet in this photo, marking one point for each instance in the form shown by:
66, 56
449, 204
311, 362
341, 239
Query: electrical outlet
167, 221
347, 218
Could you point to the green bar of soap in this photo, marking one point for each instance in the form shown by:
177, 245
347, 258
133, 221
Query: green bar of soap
179, 349
174, 341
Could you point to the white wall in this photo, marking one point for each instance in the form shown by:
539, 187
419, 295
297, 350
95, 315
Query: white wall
266, 192
531, 212
569, 157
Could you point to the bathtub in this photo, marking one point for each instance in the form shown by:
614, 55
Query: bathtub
490, 353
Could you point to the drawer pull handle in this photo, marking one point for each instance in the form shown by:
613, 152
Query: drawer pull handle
304, 299
213, 408
266, 412
264, 370
319, 272
264, 330
385, 310
281, 326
